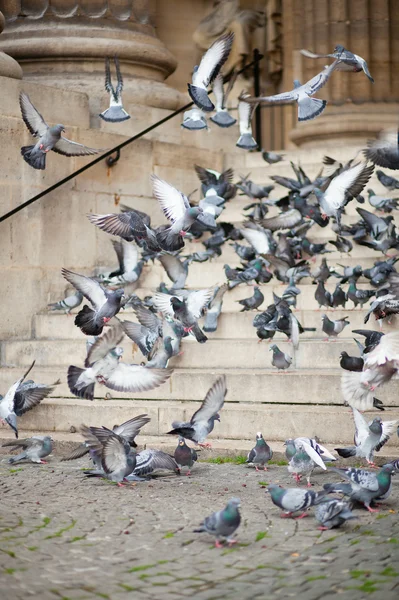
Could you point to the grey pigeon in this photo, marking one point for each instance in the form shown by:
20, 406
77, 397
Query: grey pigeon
117, 459
68, 303
203, 420
272, 157
209, 67
161, 354
222, 116
184, 455
280, 359
22, 397
260, 454
214, 309
253, 302
176, 270
303, 459
220, 183
245, 112
35, 449
333, 513
342, 244
348, 60
131, 225
380, 203
358, 296
106, 303
150, 460
308, 108
363, 486
223, 524
333, 328
384, 151
391, 183
115, 113
146, 332
292, 500
50, 138
187, 310
177, 209
102, 365
369, 437
194, 119
130, 267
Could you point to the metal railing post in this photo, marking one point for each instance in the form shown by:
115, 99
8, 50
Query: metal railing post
258, 110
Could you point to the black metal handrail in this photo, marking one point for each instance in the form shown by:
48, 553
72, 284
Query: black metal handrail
257, 58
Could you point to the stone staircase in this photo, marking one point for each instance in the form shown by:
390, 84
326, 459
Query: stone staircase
305, 400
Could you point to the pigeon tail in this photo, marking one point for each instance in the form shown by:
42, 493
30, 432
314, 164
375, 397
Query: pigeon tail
185, 432
246, 141
309, 108
207, 220
199, 334
169, 241
334, 488
346, 452
211, 322
223, 119
86, 322
12, 421
15, 459
35, 159
86, 392
114, 114
194, 124
200, 97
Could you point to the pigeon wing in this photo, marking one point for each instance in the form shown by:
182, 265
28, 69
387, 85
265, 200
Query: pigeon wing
114, 456
313, 455
149, 460
119, 85
32, 118
135, 378
349, 182
172, 265
162, 303
309, 54
124, 224
362, 431
198, 300
69, 148
213, 60
104, 344
27, 398
90, 288
131, 428
173, 203
285, 220
386, 350
257, 238
213, 401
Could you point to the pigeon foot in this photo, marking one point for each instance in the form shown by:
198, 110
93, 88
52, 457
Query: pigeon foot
323, 528
188, 473
302, 515
207, 445
286, 515
43, 462
372, 510
231, 542
218, 544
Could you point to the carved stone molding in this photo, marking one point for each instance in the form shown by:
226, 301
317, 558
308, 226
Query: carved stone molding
8, 66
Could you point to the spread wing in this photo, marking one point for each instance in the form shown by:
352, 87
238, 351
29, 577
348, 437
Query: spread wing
257, 238
309, 54
213, 60
386, 350
124, 224
173, 203
30, 395
213, 401
150, 460
162, 303
285, 220
32, 118
135, 378
104, 344
114, 457
283, 98
172, 266
350, 182
198, 300
245, 112
131, 428
68, 148
313, 455
388, 428
320, 80
119, 85
90, 288
108, 84
361, 428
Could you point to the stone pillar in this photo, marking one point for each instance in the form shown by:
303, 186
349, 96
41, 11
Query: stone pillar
64, 42
356, 108
8, 66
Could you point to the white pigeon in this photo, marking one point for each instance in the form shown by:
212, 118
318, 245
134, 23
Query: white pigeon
245, 112
222, 116
115, 113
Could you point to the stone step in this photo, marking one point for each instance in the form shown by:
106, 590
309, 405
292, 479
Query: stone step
264, 386
277, 421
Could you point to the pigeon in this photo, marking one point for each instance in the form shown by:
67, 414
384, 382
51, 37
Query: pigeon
387, 181
145, 333
161, 354
102, 365
253, 302
384, 151
214, 309
351, 363
68, 303
259, 238
252, 189
220, 183
377, 225
347, 60
303, 459
50, 138
203, 420
176, 270
245, 112
358, 296
177, 209
22, 397
386, 205
333, 513
333, 328
131, 225
223, 524
292, 500
150, 460
280, 359
385, 305
308, 108
260, 454
222, 116
209, 67
106, 303
363, 486
272, 157
186, 310
115, 113
285, 220
369, 437
34, 449
338, 297
184, 455
342, 244
130, 267
194, 119
322, 296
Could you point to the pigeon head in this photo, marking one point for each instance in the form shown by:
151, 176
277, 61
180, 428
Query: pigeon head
194, 211
259, 436
217, 417
273, 347
376, 426
181, 441
234, 503
58, 129
176, 303
339, 48
388, 468
344, 354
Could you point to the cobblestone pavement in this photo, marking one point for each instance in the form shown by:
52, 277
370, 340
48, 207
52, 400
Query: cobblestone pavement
63, 536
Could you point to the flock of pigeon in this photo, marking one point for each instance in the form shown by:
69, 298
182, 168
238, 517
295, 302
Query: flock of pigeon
275, 247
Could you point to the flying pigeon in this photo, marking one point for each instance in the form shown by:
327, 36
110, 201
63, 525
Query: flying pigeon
194, 119
223, 524
177, 209
115, 113
280, 359
260, 454
245, 112
130, 267
333, 328
131, 225
308, 108
22, 397
50, 138
176, 269
203, 420
34, 449
209, 67
222, 116
102, 365
214, 309
369, 437
68, 303
333, 513
363, 486
106, 303
292, 500
348, 60
220, 183
303, 459
384, 151
184, 455
272, 157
